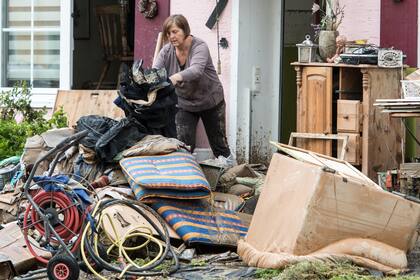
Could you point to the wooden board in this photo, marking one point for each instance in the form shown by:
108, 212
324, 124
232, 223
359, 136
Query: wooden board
324, 64
382, 135
353, 153
78, 103
405, 115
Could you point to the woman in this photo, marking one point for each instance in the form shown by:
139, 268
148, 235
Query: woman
200, 93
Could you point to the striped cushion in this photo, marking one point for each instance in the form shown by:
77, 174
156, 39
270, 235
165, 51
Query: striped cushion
198, 222
176, 175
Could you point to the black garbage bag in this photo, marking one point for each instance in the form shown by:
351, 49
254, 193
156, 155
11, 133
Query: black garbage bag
136, 84
108, 137
121, 136
96, 125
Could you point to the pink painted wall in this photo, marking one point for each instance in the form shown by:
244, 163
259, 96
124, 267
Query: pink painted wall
146, 32
399, 27
197, 13
362, 20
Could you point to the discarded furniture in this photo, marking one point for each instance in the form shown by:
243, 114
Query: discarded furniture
314, 207
341, 152
113, 34
338, 98
78, 103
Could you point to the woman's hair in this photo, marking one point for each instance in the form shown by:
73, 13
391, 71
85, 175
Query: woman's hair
180, 21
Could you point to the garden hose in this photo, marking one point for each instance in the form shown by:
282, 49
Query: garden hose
89, 241
67, 229
129, 234
115, 242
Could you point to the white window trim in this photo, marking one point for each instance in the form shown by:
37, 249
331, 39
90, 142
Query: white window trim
46, 96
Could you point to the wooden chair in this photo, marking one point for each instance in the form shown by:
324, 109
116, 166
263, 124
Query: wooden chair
113, 34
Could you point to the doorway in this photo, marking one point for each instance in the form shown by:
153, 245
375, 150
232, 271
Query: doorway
88, 52
297, 23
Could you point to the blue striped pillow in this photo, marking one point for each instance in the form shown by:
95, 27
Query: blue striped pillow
198, 222
175, 175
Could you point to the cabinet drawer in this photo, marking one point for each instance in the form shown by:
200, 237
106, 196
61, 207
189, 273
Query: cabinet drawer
353, 149
349, 116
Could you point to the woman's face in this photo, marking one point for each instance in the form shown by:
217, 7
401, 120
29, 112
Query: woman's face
176, 35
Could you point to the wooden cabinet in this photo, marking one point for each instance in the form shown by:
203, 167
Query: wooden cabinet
338, 99
314, 107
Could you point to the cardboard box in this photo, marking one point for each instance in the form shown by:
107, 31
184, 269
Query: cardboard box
311, 201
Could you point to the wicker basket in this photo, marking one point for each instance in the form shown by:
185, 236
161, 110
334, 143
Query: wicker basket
411, 89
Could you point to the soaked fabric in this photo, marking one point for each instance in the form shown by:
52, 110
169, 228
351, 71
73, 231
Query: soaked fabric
197, 222
364, 252
108, 137
154, 145
148, 97
176, 175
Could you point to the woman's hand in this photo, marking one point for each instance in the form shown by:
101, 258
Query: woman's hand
176, 79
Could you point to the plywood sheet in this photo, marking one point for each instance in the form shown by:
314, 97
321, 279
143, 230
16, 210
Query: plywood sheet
78, 103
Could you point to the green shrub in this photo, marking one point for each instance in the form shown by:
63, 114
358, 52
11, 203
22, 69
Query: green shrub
13, 135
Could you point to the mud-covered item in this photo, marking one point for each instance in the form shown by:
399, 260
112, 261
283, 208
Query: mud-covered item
176, 175
152, 145
9, 204
149, 97
7, 270
119, 137
197, 222
153, 78
89, 172
97, 126
250, 205
364, 252
212, 173
241, 190
39, 145
336, 210
108, 137
227, 201
12, 245
228, 178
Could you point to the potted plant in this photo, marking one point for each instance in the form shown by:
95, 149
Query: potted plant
331, 16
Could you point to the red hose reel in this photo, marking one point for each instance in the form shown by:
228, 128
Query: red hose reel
64, 216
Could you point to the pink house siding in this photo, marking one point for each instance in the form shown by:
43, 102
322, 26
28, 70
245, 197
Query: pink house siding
146, 32
399, 27
197, 13
362, 20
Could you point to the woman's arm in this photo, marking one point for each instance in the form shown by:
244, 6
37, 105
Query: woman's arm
160, 59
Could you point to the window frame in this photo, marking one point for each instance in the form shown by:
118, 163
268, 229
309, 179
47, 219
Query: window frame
46, 96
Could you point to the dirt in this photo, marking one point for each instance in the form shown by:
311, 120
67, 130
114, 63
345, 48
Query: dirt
414, 258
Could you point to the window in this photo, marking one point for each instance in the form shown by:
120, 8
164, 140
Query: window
31, 41
35, 44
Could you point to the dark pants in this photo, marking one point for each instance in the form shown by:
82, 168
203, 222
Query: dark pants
214, 124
